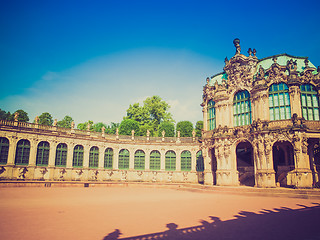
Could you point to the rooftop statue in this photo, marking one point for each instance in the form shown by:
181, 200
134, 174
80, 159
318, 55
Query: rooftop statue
236, 43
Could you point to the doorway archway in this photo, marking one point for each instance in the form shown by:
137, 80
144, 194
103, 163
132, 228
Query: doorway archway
245, 163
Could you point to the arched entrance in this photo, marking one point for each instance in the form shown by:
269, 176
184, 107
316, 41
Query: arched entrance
245, 163
283, 161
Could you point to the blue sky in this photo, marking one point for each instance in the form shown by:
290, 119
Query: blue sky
91, 59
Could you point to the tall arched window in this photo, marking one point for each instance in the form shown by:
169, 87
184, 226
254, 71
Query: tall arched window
211, 115
279, 102
124, 159
309, 102
94, 157
61, 155
241, 109
139, 159
155, 160
186, 161
77, 156
108, 158
43, 154
200, 163
22, 152
170, 162
4, 150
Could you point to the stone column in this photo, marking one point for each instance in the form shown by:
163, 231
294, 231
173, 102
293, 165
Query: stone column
12, 150
70, 146
101, 157
205, 117
52, 158
295, 100
131, 158
178, 160
116, 158
86, 150
301, 176
193, 160
208, 177
147, 159
33, 152
163, 159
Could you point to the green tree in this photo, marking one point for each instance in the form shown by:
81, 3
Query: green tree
168, 127
150, 115
22, 117
65, 122
198, 128
112, 128
97, 127
185, 128
45, 119
84, 126
5, 115
127, 125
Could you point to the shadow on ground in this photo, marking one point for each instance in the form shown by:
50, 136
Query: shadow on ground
280, 223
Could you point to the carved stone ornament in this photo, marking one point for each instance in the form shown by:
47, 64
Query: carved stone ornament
276, 73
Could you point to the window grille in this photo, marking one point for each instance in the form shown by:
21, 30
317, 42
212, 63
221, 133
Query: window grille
309, 102
43, 154
61, 155
77, 156
186, 161
242, 109
139, 160
22, 152
94, 157
155, 160
170, 161
279, 102
4, 150
124, 159
108, 158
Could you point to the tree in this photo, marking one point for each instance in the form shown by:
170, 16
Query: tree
97, 127
22, 117
45, 119
5, 115
112, 128
168, 127
150, 115
198, 128
65, 122
127, 125
185, 128
84, 126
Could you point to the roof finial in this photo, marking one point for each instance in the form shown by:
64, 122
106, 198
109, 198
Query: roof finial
306, 62
236, 43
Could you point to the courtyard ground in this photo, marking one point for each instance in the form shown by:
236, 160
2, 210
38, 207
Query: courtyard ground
102, 213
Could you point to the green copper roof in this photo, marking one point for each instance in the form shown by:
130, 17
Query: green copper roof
282, 60
218, 77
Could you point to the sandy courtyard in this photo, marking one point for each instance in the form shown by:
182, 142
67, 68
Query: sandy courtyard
122, 212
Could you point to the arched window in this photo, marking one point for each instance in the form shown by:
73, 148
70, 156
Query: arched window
170, 162
211, 115
22, 152
139, 159
108, 158
124, 159
186, 161
61, 155
94, 157
43, 154
279, 102
155, 160
4, 150
77, 156
309, 102
241, 109
200, 163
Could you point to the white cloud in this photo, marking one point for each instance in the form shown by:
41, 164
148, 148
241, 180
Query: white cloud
102, 88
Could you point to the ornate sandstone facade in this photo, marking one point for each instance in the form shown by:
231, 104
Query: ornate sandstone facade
29, 151
261, 122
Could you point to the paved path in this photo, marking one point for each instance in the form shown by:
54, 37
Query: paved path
103, 213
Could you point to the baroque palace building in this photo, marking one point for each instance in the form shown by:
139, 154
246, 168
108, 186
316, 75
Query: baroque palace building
261, 122
261, 128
